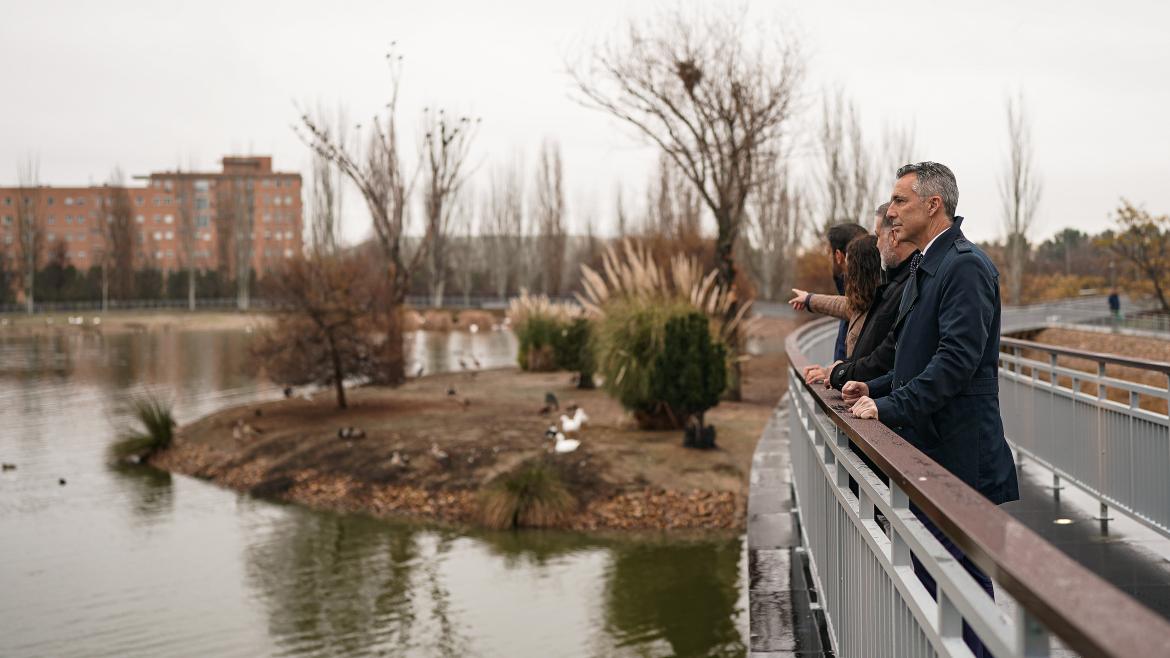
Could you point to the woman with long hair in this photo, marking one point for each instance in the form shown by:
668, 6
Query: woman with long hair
863, 274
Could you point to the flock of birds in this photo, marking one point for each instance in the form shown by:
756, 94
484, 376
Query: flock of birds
12, 467
569, 424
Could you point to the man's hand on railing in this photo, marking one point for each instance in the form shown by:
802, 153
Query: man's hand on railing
814, 374
865, 408
851, 392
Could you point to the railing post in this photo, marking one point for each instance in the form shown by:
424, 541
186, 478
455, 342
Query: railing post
1031, 637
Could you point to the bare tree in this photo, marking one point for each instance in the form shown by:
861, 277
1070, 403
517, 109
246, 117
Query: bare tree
673, 207
322, 333
848, 178
550, 217
1020, 190
897, 150
241, 197
777, 221
29, 233
117, 222
468, 245
328, 190
187, 228
505, 225
374, 166
713, 96
446, 143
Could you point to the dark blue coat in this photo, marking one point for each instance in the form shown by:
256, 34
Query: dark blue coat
943, 393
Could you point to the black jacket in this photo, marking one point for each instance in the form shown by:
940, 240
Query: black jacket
943, 392
873, 355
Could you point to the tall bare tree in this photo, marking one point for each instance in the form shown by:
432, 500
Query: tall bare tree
504, 216
241, 197
777, 212
550, 217
711, 93
848, 170
117, 222
29, 233
446, 143
373, 164
1020, 190
328, 191
468, 245
187, 228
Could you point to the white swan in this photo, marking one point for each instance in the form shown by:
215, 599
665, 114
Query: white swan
574, 424
565, 445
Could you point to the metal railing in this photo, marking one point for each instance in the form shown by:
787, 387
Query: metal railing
875, 605
1105, 434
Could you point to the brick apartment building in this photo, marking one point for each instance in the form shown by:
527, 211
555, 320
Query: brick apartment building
246, 191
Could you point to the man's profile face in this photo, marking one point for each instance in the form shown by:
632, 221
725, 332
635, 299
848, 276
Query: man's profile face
885, 244
909, 213
838, 258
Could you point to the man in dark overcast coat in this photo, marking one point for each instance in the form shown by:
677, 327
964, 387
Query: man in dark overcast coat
943, 393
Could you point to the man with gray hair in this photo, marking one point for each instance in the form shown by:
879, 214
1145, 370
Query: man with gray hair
942, 395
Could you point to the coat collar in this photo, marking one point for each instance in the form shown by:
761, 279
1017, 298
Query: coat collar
899, 271
941, 246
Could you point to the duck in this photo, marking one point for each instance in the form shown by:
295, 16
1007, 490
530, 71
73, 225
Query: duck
440, 455
564, 445
8, 467
351, 433
574, 424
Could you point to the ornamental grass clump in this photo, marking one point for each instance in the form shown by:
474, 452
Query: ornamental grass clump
154, 432
531, 496
551, 336
631, 302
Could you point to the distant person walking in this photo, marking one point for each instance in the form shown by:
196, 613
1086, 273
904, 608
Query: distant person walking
943, 394
1115, 306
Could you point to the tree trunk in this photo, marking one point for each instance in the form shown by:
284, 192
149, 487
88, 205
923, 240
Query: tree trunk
725, 264
191, 289
393, 350
338, 376
1159, 293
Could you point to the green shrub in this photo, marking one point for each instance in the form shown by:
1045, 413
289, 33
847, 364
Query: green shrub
574, 351
690, 373
155, 431
538, 337
629, 337
531, 496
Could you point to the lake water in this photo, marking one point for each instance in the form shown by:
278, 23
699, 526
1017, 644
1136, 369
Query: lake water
120, 562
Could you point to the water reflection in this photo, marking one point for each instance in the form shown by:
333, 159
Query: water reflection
174, 566
677, 596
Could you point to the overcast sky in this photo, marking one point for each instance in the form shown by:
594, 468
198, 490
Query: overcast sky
151, 85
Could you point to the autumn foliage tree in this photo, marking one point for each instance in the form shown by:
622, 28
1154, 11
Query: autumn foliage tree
1144, 240
324, 331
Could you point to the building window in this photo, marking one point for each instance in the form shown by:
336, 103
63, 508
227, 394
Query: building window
288, 200
207, 237
169, 219
68, 219
288, 253
140, 219
8, 201
138, 201
81, 254
80, 219
158, 255
68, 200
158, 235
200, 204
201, 185
51, 220
170, 235
68, 237
50, 201
8, 219
52, 237
81, 202
202, 221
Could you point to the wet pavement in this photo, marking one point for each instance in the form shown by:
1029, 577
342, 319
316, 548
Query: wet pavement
1130, 556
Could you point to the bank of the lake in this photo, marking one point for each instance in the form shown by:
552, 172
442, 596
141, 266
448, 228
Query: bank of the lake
129, 321
427, 454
